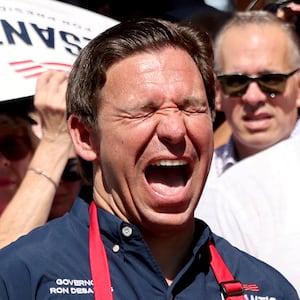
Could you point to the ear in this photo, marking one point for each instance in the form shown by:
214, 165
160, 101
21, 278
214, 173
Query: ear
298, 93
218, 96
83, 139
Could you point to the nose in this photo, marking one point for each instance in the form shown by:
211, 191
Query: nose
254, 95
171, 127
3, 160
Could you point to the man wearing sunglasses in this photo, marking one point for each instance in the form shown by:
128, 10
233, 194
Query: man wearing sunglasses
257, 65
39, 177
255, 204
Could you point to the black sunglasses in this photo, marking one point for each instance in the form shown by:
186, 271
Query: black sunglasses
272, 84
15, 147
71, 173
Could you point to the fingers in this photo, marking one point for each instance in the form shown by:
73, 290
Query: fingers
50, 90
50, 103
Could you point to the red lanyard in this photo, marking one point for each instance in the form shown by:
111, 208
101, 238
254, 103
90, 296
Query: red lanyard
231, 289
98, 259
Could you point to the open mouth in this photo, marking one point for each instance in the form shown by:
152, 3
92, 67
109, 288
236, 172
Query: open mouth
257, 117
168, 176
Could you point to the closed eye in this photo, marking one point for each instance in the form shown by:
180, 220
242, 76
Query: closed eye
143, 114
194, 109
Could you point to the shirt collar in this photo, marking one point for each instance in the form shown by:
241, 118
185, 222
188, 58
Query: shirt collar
225, 156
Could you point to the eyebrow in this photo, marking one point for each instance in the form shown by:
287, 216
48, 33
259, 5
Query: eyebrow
195, 100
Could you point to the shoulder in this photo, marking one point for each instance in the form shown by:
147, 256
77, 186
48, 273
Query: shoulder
49, 238
248, 270
45, 254
283, 153
251, 173
37, 260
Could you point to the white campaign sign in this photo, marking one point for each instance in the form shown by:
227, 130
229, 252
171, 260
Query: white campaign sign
37, 35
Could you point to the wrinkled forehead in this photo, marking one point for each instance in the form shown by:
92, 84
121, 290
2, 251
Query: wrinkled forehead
255, 48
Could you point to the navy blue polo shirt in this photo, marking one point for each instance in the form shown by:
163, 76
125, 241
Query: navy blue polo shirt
52, 262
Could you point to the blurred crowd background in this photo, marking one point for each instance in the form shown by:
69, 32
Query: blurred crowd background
177, 10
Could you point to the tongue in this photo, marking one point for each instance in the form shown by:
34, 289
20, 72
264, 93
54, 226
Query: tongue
166, 180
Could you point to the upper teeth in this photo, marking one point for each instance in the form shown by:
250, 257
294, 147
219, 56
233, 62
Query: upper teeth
169, 163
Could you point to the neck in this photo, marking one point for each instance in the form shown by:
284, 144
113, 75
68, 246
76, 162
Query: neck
242, 152
171, 251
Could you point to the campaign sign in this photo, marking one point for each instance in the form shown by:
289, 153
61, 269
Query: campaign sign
38, 35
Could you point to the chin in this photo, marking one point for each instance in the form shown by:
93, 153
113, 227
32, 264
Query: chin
168, 222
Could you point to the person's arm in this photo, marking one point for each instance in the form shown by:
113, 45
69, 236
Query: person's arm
30, 206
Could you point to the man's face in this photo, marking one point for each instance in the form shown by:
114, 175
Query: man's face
155, 141
15, 155
257, 120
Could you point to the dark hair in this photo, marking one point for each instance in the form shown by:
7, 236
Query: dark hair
20, 123
88, 75
16, 113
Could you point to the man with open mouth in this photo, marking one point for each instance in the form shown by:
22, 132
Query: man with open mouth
140, 102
